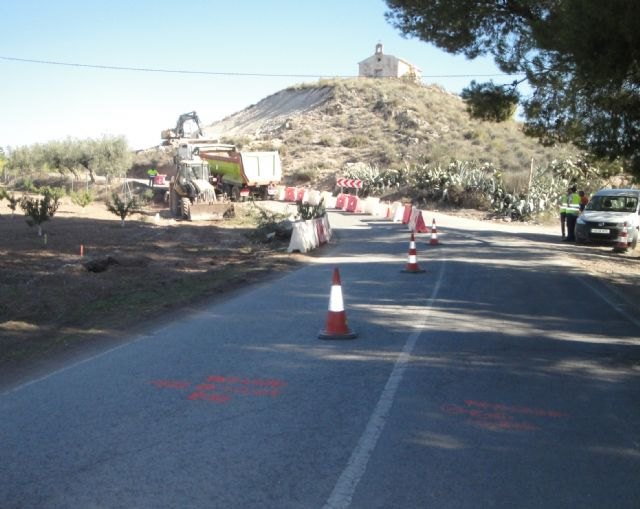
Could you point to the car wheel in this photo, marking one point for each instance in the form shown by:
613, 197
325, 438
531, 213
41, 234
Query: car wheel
634, 241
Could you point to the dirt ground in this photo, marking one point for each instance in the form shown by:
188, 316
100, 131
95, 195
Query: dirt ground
92, 280
95, 281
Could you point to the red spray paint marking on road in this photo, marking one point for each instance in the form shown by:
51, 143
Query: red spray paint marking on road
221, 389
497, 417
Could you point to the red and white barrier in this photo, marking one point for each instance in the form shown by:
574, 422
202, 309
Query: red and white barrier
308, 235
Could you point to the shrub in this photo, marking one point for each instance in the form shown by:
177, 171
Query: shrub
355, 141
269, 224
327, 141
307, 211
39, 210
122, 208
82, 198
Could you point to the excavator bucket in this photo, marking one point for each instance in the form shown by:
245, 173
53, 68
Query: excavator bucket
210, 211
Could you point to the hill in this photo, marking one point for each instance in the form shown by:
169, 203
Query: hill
318, 128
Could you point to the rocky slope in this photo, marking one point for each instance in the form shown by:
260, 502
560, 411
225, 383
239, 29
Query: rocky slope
318, 128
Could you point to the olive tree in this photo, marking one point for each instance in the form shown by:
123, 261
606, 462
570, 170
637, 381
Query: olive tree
107, 156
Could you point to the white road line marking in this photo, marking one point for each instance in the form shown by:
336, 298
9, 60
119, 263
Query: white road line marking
345, 488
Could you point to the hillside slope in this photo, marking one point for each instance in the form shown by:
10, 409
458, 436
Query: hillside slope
318, 128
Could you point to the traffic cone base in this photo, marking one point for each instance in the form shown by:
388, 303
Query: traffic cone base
336, 326
413, 270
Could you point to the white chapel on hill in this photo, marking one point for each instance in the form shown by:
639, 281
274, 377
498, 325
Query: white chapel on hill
380, 65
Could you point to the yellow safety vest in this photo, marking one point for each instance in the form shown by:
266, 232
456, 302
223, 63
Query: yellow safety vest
564, 204
573, 206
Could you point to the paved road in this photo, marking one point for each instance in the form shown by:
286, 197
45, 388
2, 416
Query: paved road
498, 378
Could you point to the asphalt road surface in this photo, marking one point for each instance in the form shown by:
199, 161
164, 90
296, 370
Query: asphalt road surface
500, 377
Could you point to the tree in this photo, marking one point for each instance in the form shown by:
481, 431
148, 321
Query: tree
107, 156
581, 58
62, 156
490, 102
39, 210
122, 208
26, 159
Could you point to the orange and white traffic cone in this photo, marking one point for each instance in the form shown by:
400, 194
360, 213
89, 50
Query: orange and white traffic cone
434, 233
622, 242
336, 326
412, 265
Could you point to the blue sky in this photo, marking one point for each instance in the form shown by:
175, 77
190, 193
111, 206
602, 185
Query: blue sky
300, 39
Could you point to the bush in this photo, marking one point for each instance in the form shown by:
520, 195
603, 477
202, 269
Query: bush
82, 198
355, 141
307, 211
269, 225
39, 210
122, 208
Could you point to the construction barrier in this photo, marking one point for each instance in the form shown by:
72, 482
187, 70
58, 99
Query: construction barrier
308, 235
398, 213
353, 204
314, 197
329, 200
413, 217
407, 213
290, 194
421, 227
416, 221
301, 195
370, 206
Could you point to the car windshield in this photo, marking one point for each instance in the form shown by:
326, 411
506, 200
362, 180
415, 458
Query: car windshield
613, 203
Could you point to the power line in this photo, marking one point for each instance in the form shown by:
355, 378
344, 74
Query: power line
219, 73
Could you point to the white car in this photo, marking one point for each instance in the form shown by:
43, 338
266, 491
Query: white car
605, 217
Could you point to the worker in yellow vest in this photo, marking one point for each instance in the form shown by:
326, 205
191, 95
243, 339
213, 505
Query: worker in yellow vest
563, 213
572, 212
151, 173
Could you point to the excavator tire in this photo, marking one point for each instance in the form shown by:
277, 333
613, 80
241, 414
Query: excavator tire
185, 208
174, 201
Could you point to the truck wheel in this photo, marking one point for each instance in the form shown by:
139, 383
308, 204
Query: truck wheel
235, 193
634, 241
185, 206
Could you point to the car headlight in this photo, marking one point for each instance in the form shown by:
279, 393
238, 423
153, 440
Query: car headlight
581, 220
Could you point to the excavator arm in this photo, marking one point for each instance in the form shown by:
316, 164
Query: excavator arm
179, 131
184, 118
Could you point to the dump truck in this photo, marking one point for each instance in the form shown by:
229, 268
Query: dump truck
240, 175
191, 193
